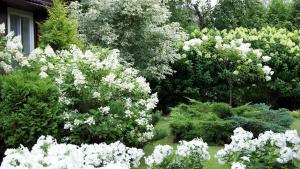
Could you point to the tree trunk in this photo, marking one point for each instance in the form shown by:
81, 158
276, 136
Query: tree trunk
201, 19
230, 91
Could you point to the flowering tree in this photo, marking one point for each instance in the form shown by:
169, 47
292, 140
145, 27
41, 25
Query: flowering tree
140, 29
188, 155
269, 150
232, 60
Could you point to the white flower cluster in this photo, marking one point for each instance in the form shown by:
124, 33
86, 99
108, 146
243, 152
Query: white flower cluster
159, 154
48, 154
195, 147
12, 53
244, 50
102, 78
193, 150
2, 28
277, 147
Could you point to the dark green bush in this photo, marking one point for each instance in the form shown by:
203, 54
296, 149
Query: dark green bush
256, 126
223, 110
28, 109
215, 132
159, 133
156, 117
281, 117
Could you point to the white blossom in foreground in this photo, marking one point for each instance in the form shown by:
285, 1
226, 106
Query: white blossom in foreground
187, 152
48, 154
280, 149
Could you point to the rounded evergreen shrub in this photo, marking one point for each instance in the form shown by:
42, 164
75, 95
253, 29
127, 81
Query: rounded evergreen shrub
28, 109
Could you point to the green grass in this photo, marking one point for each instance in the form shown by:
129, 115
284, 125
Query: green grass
296, 125
164, 124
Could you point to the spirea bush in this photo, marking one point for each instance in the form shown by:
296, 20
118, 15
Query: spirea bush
190, 154
268, 150
140, 29
47, 153
103, 101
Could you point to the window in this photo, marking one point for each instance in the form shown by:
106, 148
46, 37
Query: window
21, 23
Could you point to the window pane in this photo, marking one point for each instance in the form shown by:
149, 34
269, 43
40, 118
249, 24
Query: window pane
15, 24
25, 35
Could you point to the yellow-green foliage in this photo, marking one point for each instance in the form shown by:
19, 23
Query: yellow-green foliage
59, 30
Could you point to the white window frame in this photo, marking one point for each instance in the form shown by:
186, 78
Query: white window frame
25, 14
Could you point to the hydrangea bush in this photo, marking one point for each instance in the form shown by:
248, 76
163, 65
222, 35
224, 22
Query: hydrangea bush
188, 155
283, 48
233, 61
47, 153
103, 100
10, 51
269, 150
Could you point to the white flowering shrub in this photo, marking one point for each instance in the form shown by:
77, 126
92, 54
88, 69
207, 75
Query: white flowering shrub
188, 155
103, 101
47, 153
10, 51
232, 61
269, 150
140, 29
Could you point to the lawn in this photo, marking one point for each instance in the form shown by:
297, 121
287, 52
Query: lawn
212, 163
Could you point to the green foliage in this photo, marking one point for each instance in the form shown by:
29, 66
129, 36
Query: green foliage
59, 30
256, 126
214, 122
230, 14
28, 109
295, 114
159, 134
155, 118
278, 14
140, 29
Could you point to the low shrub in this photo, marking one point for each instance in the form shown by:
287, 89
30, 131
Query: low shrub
206, 120
209, 131
256, 126
28, 109
264, 112
159, 134
295, 113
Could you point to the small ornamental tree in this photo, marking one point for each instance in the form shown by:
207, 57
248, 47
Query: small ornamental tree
233, 61
59, 30
140, 29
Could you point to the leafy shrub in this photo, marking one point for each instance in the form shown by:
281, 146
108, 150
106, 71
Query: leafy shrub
256, 126
223, 110
59, 30
155, 118
208, 130
103, 100
295, 114
159, 133
28, 109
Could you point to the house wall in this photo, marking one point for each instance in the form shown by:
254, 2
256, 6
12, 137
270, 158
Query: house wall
37, 7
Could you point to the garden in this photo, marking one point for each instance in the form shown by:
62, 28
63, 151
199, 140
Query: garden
154, 84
